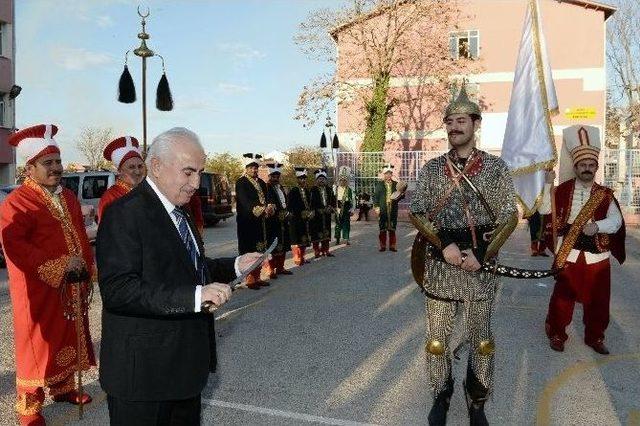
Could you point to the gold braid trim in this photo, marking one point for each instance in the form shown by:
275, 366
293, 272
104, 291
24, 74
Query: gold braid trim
585, 214
123, 184
52, 271
52, 380
257, 210
63, 387
28, 403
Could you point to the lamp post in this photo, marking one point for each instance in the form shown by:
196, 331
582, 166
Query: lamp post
335, 144
126, 87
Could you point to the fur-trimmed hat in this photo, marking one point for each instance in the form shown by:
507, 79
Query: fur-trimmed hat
274, 168
320, 173
120, 150
249, 159
34, 142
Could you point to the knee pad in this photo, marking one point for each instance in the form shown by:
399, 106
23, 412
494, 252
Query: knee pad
435, 347
486, 347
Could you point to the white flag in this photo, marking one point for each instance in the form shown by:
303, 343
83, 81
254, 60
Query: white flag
529, 146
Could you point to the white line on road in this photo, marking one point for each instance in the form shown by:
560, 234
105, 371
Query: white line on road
279, 413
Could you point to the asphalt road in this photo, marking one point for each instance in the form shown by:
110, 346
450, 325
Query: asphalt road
341, 342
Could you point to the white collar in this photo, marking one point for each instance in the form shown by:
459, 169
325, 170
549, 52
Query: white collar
168, 205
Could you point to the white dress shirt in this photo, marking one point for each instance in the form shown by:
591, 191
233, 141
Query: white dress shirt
283, 199
608, 225
169, 207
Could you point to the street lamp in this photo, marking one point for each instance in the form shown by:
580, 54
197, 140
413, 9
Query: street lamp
335, 144
127, 90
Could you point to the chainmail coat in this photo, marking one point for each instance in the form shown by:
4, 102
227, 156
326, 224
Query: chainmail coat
450, 290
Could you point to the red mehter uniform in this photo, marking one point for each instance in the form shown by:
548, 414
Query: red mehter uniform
117, 190
39, 235
585, 275
40, 232
118, 151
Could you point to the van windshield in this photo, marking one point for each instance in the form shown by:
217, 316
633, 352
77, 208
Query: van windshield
71, 182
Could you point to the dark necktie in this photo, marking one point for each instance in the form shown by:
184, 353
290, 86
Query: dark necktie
185, 236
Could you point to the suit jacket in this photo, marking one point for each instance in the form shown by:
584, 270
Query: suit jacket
155, 346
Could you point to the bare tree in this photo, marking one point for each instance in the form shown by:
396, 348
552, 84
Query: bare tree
623, 47
91, 144
381, 40
300, 156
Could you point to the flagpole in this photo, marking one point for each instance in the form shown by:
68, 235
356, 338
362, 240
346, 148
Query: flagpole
545, 102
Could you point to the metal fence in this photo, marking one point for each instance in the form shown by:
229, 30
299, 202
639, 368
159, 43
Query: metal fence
621, 171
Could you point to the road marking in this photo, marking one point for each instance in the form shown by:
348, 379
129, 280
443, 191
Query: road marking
285, 414
543, 415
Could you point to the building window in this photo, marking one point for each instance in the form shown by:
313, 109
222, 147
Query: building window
3, 109
464, 44
2, 37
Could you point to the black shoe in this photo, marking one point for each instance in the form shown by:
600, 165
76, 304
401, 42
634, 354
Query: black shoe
599, 347
285, 272
438, 413
475, 395
556, 344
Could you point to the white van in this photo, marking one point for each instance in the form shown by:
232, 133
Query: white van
89, 186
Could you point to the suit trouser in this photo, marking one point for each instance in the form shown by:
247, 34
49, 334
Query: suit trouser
589, 285
154, 413
440, 320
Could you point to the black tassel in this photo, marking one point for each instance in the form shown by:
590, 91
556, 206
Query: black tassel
126, 88
323, 141
164, 101
335, 144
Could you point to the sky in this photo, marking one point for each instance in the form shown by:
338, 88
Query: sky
233, 68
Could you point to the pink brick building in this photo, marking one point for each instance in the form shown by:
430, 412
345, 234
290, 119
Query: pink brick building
575, 34
7, 81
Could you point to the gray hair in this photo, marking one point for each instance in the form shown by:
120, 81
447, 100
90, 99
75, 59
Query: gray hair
164, 144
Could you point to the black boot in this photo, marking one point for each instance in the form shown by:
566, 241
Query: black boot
440, 407
476, 395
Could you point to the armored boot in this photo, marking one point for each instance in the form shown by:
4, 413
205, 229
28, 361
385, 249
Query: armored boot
476, 395
440, 407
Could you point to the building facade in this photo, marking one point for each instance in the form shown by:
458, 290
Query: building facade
491, 36
8, 91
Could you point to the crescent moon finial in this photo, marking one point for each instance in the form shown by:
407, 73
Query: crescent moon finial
143, 15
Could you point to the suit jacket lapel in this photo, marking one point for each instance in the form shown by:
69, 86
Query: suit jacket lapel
158, 215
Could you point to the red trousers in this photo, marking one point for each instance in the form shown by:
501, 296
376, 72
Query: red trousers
382, 238
298, 254
321, 248
586, 284
275, 264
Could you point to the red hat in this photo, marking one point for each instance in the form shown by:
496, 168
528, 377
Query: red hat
34, 142
120, 150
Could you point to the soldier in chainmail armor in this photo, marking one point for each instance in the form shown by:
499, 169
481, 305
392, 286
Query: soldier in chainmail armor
463, 219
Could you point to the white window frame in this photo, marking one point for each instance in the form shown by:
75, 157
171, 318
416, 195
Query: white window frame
455, 36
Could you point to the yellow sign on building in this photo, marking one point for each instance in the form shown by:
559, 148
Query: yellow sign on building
582, 113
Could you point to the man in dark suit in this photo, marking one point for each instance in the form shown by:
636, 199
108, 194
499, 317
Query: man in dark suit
157, 347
